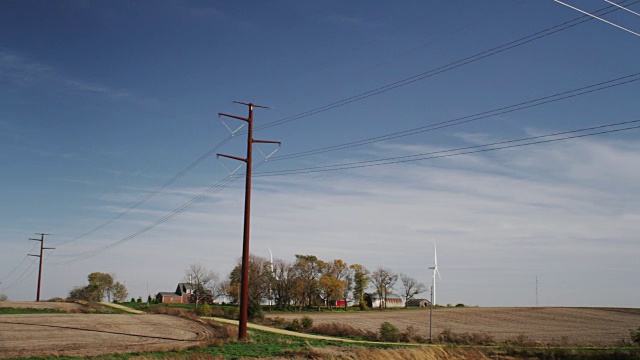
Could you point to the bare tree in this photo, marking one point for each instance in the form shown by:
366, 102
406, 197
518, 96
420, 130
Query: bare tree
205, 282
411, 287
383, 280
284, 284
3, 297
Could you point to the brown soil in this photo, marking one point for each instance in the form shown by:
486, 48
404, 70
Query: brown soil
62, 306
548, 325
89, 335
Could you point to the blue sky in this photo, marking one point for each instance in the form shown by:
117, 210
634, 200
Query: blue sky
104, 102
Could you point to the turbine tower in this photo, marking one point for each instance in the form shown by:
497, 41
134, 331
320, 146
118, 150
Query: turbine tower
435, 270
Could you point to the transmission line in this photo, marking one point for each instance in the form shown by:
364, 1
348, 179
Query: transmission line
361, 96
151, 194
454, 152
214, 189
502, 145
470, 118
456, 64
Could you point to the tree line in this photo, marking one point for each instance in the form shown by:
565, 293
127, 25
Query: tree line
309, 281
305, 282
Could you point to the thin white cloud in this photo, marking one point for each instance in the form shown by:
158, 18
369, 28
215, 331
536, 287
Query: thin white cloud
20, 73
567, 213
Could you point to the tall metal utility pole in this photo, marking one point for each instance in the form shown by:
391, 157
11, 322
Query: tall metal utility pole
42, 248
244, 284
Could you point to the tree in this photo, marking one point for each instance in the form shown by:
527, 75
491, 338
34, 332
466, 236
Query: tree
4, 297
81, 293
360, 284
284, 281
307, 271
260, 276
333, 280
119, 291
411, 287
100, 285
383, 279
205, 283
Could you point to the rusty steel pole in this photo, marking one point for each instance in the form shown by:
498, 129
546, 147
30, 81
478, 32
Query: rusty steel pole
244, 282
42, 248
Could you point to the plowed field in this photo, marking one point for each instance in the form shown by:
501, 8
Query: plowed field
584, 326
95, 334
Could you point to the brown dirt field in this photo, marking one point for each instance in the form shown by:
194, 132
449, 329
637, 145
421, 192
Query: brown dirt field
549, 325
63, 306
70, 307
96, 334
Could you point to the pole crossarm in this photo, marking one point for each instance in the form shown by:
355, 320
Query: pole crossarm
233, 116
267, 142
232, 157
251, 105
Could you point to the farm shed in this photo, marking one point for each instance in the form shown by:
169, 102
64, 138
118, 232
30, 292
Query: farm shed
418, 303
388, 301
168, 297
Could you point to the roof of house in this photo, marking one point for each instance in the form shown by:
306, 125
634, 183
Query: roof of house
389, 296
167, 293
417, 302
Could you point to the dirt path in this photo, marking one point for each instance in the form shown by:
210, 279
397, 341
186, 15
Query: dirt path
122, 307
301, 335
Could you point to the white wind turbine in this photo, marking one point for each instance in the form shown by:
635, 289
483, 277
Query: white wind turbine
435, 270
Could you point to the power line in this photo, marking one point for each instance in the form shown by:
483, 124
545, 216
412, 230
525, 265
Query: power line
474, 117
214, 189
499, 111
456, 64
599, 18
196, 200
361, 164
622, 7
404, 53
151, 194
370, 93
22, 276
452, 152
17, 266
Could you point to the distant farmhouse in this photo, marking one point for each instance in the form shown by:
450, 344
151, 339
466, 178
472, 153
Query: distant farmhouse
391, 300
419, 302
186, 293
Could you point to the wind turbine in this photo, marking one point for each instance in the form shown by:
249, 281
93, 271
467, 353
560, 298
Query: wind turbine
435, 270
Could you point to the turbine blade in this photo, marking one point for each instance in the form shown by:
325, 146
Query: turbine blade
435, 254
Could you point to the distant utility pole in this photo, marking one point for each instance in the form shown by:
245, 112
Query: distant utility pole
536, 290
244, 284
42, 248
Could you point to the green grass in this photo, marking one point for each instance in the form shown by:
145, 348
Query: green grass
14, 311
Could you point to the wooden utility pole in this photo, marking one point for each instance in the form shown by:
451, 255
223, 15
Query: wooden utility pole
244, 284
42, 248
